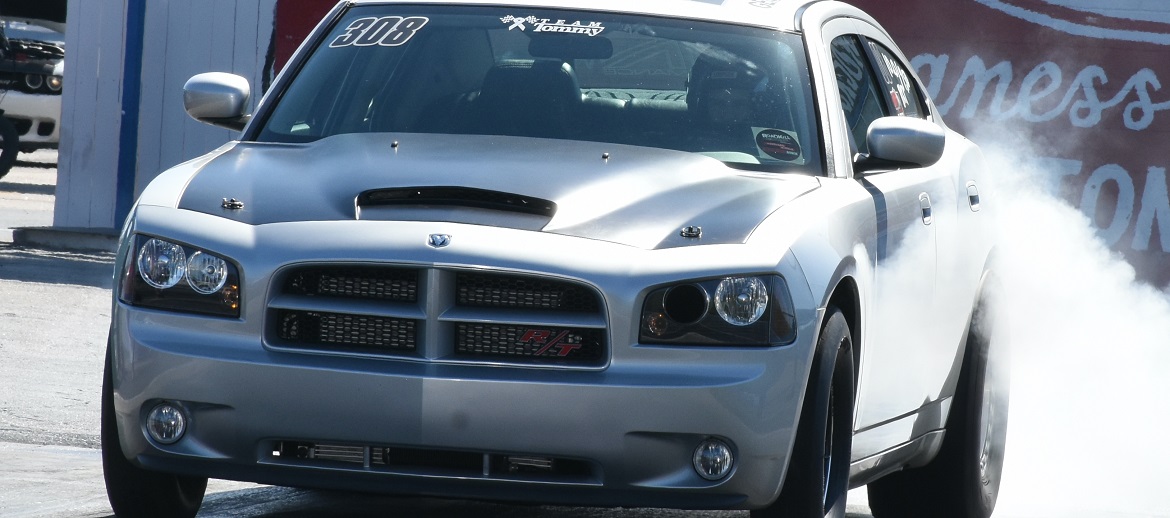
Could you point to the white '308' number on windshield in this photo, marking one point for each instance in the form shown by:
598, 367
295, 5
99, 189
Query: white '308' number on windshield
388, 31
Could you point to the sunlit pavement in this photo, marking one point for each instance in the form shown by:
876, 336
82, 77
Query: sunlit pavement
61, 481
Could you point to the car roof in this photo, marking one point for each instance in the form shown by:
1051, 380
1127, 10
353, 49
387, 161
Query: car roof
771, 14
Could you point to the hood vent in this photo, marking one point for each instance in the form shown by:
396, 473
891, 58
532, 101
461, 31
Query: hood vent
456, 197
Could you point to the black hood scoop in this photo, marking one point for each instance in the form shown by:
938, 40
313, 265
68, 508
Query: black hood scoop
455, 197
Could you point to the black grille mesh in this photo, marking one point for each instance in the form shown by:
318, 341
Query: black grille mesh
356, 282
508, 291
319, 291
525, 341
313, 328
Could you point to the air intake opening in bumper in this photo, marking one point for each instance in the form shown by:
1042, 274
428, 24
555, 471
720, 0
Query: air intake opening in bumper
434, 462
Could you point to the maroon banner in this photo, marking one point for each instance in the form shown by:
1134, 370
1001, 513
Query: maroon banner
295, 19
1075, 82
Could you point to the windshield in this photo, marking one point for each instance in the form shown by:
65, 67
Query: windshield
739, 94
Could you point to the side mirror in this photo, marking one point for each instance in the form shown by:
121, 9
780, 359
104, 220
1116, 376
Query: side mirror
219, 99
901, 142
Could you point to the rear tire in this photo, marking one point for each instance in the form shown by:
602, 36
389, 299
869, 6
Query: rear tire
963, 480
133, 491
9, 145
818, 472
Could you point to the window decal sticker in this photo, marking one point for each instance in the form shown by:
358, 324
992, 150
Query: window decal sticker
549, 25
387, 31
778, 144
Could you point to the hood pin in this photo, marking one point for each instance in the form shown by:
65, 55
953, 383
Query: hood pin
691, 232
232, 204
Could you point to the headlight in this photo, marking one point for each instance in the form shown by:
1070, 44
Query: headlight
742, 310
741, 301
161, 264
55, 83
34, 81
206, 273
156, 271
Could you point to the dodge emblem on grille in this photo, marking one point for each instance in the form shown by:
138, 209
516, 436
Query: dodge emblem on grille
439, 240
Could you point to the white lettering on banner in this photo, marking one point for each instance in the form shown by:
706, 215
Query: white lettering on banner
1155, 202
1080, 99
1124, 212
1155, 206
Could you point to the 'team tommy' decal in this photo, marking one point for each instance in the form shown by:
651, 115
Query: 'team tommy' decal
547, 25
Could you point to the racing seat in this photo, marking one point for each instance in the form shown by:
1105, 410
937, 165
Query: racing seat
528, 98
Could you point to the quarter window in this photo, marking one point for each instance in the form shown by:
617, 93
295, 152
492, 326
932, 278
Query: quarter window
860, 98
902, 91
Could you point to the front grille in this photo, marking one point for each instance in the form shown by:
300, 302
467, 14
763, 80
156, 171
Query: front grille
351, 331
459, 316
397, 284
526, 341
510, 291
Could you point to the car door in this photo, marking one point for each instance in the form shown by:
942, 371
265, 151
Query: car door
901, 368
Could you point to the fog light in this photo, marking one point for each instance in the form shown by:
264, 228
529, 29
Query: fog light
713, 459
166, 424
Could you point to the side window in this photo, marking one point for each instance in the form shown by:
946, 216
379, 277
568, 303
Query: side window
860, 97
902, 91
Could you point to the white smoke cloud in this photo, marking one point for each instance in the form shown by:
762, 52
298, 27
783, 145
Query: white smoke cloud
1091, 345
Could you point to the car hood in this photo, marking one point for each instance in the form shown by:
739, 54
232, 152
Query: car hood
636, 196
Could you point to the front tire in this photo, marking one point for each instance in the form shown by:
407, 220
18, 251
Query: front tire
817, 481
963, 480
133, 491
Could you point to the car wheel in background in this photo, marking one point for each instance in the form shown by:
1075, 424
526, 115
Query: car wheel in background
9, 145
133, 491
818, 472
963, 480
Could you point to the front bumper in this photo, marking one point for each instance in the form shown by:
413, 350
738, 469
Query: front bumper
36, 117
626, 434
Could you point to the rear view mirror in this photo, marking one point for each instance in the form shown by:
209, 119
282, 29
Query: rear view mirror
901, 142
568, 47
218, 98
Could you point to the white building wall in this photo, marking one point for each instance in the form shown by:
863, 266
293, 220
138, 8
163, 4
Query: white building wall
184, 38
181, 39
87, 162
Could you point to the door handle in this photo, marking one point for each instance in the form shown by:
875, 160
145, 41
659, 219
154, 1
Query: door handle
973, 196
927, 212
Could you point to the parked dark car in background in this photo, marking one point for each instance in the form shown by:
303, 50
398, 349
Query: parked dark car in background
32, 68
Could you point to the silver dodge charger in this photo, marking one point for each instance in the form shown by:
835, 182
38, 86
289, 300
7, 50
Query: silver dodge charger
697, 254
